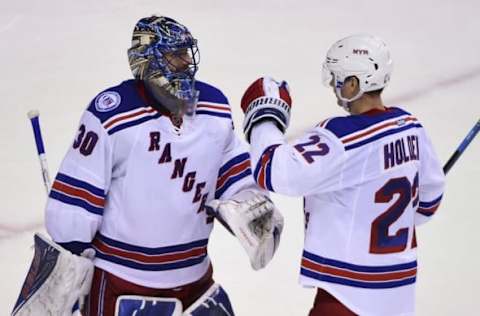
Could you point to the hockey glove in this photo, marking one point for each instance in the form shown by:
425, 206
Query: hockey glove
254, 220
266, 99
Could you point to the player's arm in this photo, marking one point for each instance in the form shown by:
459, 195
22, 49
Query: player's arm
244, 208
431, 181
309, 164
57, 278
76, 201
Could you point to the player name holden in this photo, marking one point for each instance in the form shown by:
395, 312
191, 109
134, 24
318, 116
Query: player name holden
400, 151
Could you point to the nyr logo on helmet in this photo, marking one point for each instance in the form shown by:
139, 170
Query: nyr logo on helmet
107, 101
360, 51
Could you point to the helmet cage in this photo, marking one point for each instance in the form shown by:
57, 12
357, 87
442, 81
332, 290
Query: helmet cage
156, 42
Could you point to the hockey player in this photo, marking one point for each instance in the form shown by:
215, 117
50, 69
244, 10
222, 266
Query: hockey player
368, 179
149, 156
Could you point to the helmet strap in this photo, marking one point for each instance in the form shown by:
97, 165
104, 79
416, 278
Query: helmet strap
346, 102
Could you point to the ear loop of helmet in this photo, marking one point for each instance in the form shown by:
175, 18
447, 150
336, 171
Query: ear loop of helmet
345, 102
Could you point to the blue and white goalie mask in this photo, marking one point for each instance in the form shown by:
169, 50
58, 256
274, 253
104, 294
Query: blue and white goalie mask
165, 56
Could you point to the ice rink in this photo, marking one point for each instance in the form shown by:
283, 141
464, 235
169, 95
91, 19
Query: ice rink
57, 55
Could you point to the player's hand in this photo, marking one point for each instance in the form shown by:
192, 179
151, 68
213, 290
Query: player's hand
266, 99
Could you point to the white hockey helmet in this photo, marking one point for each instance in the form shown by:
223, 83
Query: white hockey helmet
363, 56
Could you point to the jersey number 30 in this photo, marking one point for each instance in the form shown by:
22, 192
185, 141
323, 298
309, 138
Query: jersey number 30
381, 241
85, 141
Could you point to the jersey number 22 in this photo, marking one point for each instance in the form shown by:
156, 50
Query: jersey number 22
381, 242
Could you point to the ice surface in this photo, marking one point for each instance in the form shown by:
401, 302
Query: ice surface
57, 55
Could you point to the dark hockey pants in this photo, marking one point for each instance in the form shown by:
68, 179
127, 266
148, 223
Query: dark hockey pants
106, 288
327, 305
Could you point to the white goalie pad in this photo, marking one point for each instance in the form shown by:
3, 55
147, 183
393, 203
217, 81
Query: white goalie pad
254, 220
128, 305
55, 281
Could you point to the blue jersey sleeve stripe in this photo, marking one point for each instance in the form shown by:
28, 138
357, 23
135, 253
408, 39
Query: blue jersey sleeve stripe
232, 162
81, 184
219, 192
76, 202
263, 173
431, 203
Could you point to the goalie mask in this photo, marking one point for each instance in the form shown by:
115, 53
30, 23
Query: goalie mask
164, 55
363, 56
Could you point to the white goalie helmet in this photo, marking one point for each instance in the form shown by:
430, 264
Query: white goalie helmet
364, 56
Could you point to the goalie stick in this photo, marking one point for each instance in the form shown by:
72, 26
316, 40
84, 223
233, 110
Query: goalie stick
34, 115
461, 148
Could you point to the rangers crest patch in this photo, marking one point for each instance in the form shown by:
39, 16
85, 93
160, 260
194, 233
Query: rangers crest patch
107, 101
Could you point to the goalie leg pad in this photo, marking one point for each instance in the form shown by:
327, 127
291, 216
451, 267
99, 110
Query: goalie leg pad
55, 281
128, 305
214, 302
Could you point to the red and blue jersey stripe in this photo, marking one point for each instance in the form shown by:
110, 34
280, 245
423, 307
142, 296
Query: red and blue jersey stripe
371, 277
214, 109
231, 172
79, 193
212, 101
429, 208
263, 169
355, 131
131, 118
150, 259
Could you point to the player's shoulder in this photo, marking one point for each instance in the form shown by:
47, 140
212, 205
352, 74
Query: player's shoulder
343, 126
117, 100
212, 101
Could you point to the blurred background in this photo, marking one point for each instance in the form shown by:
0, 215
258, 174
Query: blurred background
57, 55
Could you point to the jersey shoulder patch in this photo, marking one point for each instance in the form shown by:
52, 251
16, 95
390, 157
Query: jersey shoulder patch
122, 107
212, 101
107, 101
115, 100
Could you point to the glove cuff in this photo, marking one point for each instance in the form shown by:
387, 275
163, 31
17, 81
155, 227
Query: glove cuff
266, 108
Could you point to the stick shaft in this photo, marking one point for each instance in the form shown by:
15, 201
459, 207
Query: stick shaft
37, 133
461, 148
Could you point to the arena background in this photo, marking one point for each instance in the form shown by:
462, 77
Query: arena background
57, 55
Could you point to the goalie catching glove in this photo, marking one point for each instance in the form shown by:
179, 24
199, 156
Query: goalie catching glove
266, 99
254, 220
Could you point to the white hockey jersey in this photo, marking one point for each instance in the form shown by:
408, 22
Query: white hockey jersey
367, 180
134, 186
